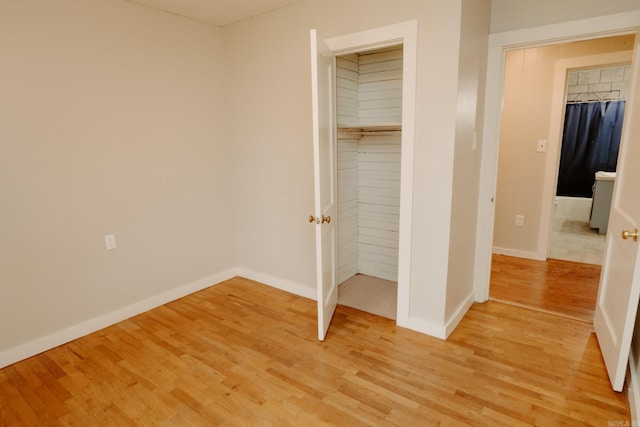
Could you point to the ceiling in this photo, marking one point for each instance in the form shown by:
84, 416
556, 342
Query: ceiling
216, 12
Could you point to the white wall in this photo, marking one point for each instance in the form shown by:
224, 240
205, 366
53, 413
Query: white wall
379, 205
347, 220
270, 132
509, 15
470, 98
111, 121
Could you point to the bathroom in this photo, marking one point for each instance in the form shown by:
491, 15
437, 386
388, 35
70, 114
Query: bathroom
591, 137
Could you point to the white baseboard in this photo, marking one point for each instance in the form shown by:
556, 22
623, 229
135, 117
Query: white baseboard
64, 336
415, 324
424, 327
441, 331
517, 253
278, 283
71, 333
427, 328
457, 316
633, 390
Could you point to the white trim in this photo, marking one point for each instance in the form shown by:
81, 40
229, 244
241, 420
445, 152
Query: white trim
458, 314
405, 33
409, 88
633, 390
583, 29
86, 327
375, 38
488, 173
278, 283
424, 326
516, 253
441, 331
602, 26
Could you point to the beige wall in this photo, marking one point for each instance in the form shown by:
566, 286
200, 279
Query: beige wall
528, 94
111, 121
516, 14
464, 211
192, 145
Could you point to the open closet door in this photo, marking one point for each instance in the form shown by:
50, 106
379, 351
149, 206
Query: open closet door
325, 180
617, 303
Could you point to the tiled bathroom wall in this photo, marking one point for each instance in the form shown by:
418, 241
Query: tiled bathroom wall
601, 84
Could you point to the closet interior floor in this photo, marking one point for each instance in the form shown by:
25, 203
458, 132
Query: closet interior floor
370, 294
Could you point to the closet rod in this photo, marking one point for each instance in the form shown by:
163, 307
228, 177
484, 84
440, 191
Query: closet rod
371, 132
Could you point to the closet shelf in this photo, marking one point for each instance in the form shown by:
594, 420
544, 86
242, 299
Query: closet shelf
377, 127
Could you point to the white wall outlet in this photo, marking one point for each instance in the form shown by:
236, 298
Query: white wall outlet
110, 241
542, 145
519, 220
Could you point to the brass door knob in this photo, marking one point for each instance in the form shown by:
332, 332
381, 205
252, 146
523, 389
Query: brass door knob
628, 234
322, 220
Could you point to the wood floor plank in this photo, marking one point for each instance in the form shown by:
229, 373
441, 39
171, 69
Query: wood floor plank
565, 288
242, 353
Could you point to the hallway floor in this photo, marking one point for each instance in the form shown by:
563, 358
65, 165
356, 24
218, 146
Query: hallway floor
564, 288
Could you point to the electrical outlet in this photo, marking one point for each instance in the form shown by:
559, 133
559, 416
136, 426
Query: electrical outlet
110, 241
519, 220
542, 145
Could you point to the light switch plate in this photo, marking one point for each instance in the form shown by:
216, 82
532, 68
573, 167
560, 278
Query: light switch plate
110, 241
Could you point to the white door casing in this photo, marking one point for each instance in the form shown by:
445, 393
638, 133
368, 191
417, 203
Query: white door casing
324, 171
405, 34
619, 292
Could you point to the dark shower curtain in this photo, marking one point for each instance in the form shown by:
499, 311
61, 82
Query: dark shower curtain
590, 143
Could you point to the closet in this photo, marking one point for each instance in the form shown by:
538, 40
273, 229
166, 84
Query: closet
369, 116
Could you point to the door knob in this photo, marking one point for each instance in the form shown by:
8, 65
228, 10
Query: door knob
322, 220
628, 234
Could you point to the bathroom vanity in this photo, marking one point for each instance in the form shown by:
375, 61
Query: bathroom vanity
601, 205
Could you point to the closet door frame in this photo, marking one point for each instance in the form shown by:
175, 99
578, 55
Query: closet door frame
405, 34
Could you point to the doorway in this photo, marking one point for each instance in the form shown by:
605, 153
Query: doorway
594, 89
616, 309
526, 212
369, 118
325, 171
524, 166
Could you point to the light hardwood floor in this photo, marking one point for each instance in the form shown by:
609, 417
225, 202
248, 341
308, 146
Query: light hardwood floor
564, 288
242, 353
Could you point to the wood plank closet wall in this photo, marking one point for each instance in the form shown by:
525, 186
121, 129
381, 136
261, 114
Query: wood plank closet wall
369, 109
369, 88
